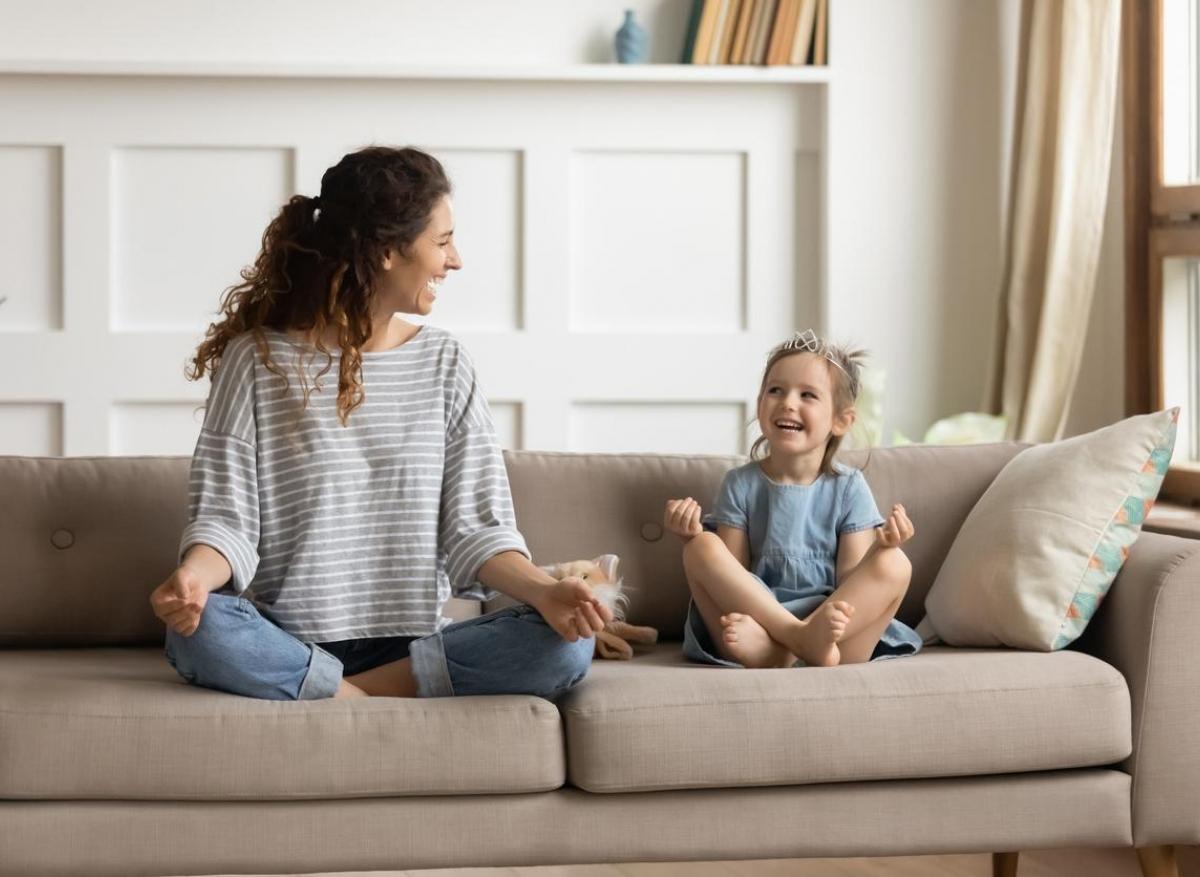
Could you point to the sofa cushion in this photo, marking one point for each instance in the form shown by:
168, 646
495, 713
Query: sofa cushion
120, 724
657, 722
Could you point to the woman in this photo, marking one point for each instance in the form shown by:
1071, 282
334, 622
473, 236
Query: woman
336, 524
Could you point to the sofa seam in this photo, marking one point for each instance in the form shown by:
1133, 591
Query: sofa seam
726, 702
634, 790
221, 716
307, 796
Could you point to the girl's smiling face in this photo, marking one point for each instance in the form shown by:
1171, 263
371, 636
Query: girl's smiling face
795, 406
410, 285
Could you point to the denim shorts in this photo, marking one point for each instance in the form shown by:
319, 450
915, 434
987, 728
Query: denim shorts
360, 655
511, 651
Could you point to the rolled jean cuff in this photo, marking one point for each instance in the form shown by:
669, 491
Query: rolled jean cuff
429, 668
324, 676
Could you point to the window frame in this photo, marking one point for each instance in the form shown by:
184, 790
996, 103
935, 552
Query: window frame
1161, 222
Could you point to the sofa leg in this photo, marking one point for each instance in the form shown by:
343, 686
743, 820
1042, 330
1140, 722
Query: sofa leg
1158, 861
1004, 864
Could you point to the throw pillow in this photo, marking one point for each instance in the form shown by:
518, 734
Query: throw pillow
1039, 551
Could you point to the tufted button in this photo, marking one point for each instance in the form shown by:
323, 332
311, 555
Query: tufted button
652, 532
62, 538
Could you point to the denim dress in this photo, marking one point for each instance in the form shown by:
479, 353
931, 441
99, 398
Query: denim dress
793, 531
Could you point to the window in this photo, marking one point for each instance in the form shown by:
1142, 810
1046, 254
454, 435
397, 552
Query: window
1161, 104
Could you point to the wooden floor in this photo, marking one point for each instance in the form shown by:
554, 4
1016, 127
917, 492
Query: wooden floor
1044, 863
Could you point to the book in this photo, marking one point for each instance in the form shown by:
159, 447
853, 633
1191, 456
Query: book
802, 39
781, 32
704, 34
820, 49
730, 33
758, 53
714, 50
742, 33
689, 35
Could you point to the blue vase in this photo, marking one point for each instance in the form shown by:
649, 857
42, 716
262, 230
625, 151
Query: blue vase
631, 41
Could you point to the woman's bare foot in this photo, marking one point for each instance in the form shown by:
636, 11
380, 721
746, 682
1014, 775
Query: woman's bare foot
815, 641
750, 645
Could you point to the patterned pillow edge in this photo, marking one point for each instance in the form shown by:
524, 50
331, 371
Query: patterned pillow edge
1122, 531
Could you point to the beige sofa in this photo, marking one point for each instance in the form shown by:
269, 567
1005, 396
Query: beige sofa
111, 765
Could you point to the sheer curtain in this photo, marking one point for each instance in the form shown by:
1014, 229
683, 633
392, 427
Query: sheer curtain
1065, 107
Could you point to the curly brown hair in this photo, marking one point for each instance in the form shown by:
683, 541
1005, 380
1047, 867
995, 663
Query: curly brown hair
845, 371
320, 261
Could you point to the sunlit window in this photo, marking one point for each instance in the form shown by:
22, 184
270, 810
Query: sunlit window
1180, 92
1181, 351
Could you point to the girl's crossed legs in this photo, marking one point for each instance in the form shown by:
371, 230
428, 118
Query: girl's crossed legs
751, 627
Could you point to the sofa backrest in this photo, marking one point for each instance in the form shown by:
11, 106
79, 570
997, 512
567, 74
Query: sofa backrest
573, 506
83, 540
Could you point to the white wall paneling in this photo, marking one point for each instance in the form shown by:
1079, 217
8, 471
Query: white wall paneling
31, 428
659, 427
487, 194
507, 416
633, 241
183, 223
648, 251
30, 226
150, 428
917, 110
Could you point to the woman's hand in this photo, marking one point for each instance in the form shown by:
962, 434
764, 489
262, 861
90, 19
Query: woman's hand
570, 607
897, 530
682, 517
180, 600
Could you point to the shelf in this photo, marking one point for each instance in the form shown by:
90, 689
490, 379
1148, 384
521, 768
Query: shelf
684, 73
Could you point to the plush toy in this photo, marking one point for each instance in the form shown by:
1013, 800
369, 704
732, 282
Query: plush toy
615, 641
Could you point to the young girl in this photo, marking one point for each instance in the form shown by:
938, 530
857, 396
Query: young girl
338, 511
801, 565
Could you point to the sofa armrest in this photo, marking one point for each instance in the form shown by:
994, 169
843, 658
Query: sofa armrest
1147, 628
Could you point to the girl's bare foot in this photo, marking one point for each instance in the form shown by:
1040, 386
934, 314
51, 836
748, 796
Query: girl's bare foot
750, 645
816, 641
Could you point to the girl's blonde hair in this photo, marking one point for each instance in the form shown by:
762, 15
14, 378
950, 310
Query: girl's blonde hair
845, 372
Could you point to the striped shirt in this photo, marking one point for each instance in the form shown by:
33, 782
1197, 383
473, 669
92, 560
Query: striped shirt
359, 531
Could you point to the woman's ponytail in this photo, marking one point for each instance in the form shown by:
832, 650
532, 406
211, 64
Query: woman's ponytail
321, 258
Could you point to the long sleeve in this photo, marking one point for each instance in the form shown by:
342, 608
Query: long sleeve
223, 506
476, 520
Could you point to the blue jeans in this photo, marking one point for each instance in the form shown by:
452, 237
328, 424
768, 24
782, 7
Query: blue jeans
511, 651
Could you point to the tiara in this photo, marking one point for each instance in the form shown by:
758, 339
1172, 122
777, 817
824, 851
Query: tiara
808, 342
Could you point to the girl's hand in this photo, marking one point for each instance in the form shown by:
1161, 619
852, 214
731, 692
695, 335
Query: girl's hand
897, 530
180, 600
570, 607
682, 518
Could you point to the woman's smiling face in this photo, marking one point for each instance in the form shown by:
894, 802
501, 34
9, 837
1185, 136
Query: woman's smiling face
410, 285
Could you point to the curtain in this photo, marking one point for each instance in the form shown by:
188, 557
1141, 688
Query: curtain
1062, 147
